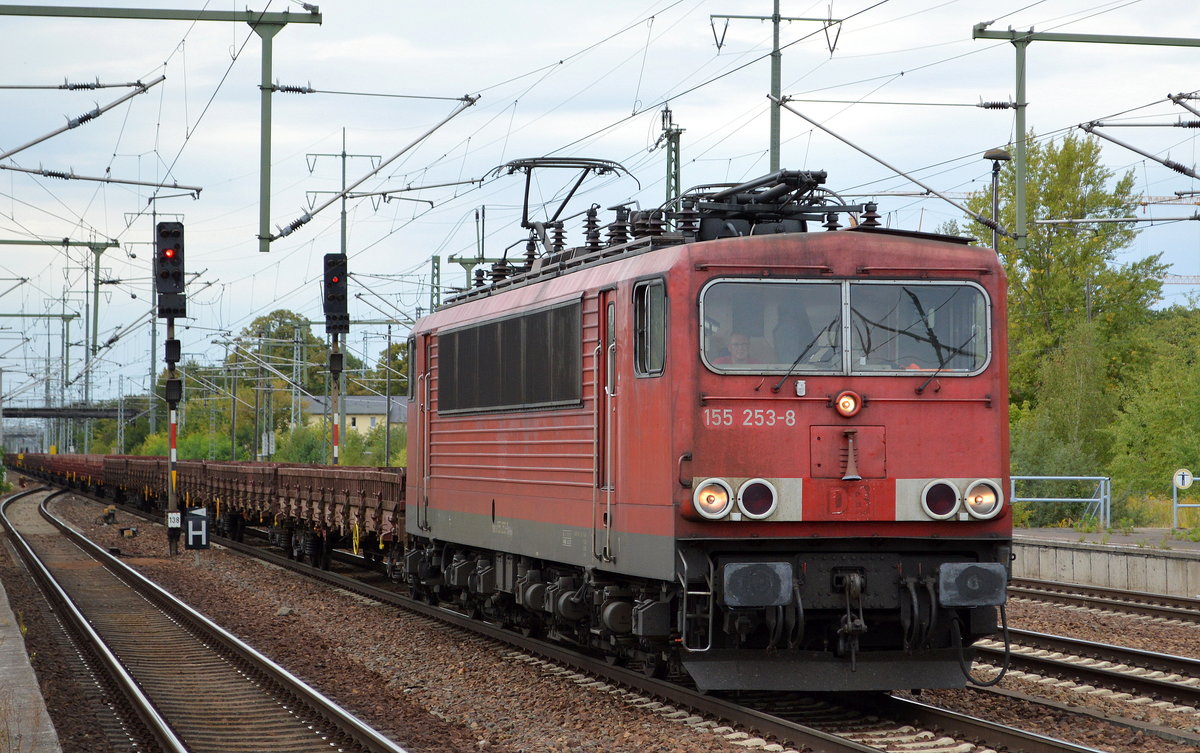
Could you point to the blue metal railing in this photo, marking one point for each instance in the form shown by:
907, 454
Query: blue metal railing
1099, 504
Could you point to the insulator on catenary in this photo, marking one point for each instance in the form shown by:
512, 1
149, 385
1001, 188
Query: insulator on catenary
996, 105
83, 118
1177, 166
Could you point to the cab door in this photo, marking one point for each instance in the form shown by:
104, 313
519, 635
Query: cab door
604, 492
423, 395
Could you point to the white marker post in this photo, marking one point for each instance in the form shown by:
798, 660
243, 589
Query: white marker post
1181, 479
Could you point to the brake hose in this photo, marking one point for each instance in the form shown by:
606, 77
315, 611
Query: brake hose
962, 663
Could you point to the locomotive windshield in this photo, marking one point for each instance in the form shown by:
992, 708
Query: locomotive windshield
781, 326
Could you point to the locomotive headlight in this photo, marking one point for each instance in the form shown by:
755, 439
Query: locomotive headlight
757, 499
847, 403
713, 499
983, 500
940, 500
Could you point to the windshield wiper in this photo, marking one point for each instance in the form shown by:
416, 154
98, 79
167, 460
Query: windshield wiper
959, 351
803, 353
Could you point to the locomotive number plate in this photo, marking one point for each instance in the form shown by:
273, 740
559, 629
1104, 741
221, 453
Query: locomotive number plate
721, 417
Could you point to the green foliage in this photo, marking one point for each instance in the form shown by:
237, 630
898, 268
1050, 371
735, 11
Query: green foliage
1142, 511
153, 444
374, 446
305, 444
1068, 274
1022, 515
1066, 432
1155, 433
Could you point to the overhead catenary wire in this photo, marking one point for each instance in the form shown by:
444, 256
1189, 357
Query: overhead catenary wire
985, 221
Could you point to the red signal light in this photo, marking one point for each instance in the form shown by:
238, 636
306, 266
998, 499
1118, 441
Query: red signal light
335, 279
168, 253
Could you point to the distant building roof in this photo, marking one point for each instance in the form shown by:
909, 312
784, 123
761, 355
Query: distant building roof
361, 405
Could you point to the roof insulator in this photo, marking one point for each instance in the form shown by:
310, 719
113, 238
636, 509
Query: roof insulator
870, 216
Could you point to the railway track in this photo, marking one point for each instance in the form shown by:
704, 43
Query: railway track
1096, 597
819, 724
1161, 677
802, 720
169, 660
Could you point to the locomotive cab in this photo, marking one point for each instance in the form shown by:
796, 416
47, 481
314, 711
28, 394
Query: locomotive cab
846, 510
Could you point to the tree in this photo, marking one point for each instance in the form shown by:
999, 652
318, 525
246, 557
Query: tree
280, 340
1069, 274
1156, 431
1067, 432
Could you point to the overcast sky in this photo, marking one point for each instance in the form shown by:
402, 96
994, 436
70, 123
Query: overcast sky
899, 78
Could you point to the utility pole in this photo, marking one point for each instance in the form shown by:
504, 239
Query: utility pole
257, 404
670, 138
233, 401
387, 390
297, 375
94, 348
340, 386
120, 414
776, 65
1021, 40
343, 156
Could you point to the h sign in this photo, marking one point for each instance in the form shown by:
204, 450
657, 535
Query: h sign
195, 528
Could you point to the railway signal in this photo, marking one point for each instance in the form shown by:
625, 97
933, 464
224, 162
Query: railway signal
337, 317
169, 278
169, 283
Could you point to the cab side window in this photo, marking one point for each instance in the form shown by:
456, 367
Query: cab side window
650, 327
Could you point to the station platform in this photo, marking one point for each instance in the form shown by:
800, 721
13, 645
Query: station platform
25, 724
1152, 560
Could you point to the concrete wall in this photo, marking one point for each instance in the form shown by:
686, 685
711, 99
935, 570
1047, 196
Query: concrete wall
1164, 571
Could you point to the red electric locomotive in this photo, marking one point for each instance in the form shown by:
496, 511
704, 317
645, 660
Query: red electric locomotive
769, 456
